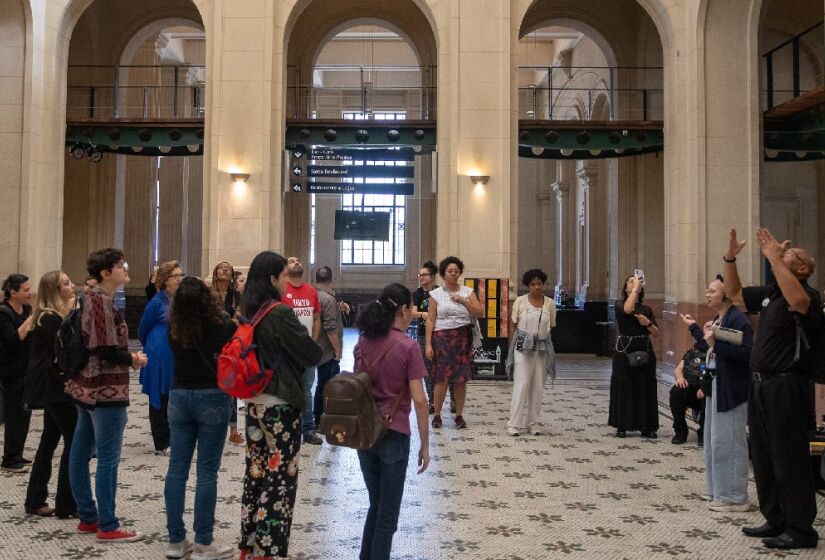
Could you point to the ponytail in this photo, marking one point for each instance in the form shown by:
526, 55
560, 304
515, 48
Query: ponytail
376, 320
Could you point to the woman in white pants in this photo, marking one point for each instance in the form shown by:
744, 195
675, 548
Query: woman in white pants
531, 357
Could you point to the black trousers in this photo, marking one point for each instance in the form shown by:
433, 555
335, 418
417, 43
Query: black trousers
779, 418
17, 420
59, 420
682, 399
159, 423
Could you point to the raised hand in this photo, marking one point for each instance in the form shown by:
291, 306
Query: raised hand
769, 245
687, 319
734, 246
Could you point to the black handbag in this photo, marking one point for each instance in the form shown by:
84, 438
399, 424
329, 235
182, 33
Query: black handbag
638, 358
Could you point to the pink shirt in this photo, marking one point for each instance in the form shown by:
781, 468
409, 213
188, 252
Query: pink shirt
391, 376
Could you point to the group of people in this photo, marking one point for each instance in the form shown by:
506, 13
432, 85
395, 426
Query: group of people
751, 394
733, 377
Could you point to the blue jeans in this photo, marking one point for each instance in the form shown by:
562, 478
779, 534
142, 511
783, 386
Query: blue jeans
99, 430
197, 417
384, 468
307, 418
326, 371
726, 452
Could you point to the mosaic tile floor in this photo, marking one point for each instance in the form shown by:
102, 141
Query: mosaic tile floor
574, 492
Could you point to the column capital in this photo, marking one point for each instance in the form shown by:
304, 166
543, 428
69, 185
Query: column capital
560, 188
587, 175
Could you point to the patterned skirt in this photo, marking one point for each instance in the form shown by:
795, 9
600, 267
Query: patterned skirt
453, 355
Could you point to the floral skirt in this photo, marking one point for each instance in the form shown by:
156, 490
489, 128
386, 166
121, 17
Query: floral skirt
453, 355
273, 440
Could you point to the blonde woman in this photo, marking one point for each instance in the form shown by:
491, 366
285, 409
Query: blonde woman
44, 388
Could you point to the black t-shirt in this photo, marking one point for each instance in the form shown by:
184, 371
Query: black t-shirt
421, 300
775, 345
14, 353
693, 359
196, 368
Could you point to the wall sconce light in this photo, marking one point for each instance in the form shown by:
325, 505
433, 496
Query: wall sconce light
479, 179
239, 177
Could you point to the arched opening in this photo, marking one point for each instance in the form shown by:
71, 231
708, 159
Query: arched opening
791, 43
589, 222
363, 63
135, 93
13, 136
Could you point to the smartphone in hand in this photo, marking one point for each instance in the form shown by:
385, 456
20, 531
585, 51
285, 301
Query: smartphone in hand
640, 274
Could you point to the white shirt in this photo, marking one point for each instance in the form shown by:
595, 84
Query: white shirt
450, 314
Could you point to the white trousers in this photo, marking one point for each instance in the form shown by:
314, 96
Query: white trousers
528, 390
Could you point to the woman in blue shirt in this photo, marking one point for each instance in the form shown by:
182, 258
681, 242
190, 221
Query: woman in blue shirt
153, 332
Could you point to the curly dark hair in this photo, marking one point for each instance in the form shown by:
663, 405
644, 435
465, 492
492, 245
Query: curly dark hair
624, 291
193, 308
103, 259
442, 266
532, 274
13, 282
376, 320
430, 266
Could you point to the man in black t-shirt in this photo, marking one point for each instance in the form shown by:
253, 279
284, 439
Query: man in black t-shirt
779, 405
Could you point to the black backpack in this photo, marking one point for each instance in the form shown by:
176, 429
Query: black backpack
70, 352
816, 350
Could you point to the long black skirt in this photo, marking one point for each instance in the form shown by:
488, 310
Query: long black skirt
633, 397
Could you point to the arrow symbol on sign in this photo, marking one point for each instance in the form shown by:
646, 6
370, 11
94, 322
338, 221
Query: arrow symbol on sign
296, 187
297, 154
297, 170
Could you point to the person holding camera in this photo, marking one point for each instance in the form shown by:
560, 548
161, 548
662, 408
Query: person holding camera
779, 403
730, 340
633, 399
687, 391
531, 357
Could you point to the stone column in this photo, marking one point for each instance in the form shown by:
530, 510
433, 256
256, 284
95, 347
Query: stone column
565, 238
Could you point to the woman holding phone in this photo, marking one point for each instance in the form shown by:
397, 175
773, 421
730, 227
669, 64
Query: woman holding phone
633, 402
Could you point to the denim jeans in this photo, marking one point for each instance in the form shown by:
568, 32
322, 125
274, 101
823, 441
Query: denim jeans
197, 417
99, 430
384, 468
307, 418
726, 452
326, 371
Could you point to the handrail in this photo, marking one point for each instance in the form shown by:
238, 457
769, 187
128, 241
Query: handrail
795, 43
792, 39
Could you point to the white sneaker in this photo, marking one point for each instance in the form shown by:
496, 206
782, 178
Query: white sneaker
725, 506
179, 549
211, 552
513, 432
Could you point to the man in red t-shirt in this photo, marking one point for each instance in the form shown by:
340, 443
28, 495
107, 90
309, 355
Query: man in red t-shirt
303, 299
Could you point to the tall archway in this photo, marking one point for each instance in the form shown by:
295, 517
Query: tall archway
362, 60
612, 70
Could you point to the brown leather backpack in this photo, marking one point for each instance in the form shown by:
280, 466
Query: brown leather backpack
351, 416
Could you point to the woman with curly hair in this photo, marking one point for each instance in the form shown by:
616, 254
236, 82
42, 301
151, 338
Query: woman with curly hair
198, 416
453, 310
227, 289
273, 417
153, 332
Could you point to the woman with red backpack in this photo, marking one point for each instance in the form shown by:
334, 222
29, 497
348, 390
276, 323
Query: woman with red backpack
273, 417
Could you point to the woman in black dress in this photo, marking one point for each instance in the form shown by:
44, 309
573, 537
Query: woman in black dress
633, 399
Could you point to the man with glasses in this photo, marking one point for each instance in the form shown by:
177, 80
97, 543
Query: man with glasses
779, 405
101, 394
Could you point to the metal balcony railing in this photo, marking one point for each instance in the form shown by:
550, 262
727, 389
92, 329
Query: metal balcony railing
362, 92
794, 67
136, 92
600, 93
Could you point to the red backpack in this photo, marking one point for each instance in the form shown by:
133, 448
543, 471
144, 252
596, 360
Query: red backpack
240, 374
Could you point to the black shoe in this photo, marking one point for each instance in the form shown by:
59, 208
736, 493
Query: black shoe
679, 439
16, 468
621, 433
649, 435
763, 531
25, 461
313, 439
787, 542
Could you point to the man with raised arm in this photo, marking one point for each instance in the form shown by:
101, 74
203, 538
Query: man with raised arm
779, 406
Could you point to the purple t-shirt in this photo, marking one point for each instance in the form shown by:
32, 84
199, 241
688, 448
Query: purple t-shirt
392, 374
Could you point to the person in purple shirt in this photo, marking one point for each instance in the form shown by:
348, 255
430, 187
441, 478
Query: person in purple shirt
397, 371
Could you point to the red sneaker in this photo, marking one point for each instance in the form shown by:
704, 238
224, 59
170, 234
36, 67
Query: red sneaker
86, 527
119, 535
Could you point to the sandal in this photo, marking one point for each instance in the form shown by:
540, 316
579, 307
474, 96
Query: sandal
436, 421
460, 423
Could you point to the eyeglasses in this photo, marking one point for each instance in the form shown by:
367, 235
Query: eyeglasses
122, 264
424, 275
178, 275
793, 252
